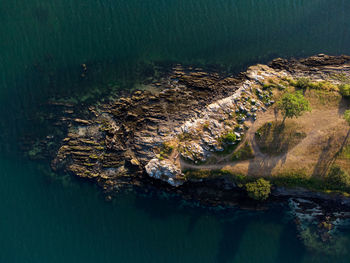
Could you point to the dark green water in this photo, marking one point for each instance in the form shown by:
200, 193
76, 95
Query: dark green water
42, 47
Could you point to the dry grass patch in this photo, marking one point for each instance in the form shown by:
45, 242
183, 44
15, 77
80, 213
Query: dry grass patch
275, 138
323, 98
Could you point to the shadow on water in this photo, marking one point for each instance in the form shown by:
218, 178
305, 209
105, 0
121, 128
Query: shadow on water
285, 254
157, 208
232, 233
194, 219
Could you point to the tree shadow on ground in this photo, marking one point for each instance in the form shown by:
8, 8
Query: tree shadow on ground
277, 138
329, 155
343, 106
271, 145
264, 165
325, 159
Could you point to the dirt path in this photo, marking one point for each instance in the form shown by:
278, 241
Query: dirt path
325, 129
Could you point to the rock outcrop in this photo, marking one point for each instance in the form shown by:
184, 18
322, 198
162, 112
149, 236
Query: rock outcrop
165, 170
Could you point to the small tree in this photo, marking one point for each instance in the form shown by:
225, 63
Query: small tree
293, 105
338, 178
259, 190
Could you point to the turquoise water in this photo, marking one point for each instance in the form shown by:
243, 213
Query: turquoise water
42, 46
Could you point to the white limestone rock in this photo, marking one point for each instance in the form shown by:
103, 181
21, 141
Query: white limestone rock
166, 171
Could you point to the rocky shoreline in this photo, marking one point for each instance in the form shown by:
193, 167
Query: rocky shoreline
181, 120
187, 118
182, 117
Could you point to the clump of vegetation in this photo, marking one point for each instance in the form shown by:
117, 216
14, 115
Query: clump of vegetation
299, 179
302, 83
347, 116
205, 174
277, 138
324, 98
259, 190
165, 150
271, 84
345, 90
337, 178
229, 137
306, 83
244, 153
197, 174
342, 77
293, 105
186, 136
326, 85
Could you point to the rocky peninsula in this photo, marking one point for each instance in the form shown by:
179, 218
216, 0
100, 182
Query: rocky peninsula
192, 126
219, 138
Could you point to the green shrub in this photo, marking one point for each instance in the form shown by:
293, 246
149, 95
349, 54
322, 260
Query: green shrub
259, 190
337, 178
345, 90
230, 137
303, 83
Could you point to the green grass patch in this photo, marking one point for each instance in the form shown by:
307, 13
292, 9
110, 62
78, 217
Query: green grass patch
299, 179
324, 97
345, 154
306, 83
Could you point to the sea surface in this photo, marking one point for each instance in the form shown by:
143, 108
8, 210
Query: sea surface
43, 48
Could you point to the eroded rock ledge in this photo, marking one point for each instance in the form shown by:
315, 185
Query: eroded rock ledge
187, 116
